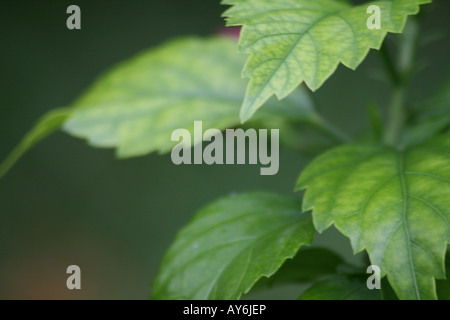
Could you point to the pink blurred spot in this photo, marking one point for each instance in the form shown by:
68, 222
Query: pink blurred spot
232, 32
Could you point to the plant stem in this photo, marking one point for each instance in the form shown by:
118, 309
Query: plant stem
401, 76
397, 116
325, 126
390, 67
331, 130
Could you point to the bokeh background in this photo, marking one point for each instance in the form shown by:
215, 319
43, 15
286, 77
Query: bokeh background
65, 203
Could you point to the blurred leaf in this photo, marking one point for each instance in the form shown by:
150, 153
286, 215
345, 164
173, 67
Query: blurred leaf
308, 265
137, 105
48, 124
387, 293
341, 288
295, 41
351, 286
302, 136
395, 204
231, 244
443, 286
433, 117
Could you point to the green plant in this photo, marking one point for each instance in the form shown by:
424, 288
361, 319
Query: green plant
387, 191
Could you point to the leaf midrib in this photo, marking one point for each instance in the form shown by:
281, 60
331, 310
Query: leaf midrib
291, 48
401, 160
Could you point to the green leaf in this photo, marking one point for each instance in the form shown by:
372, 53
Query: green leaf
48, 124
433, 117
137, 105
395, 204
295, 41
341, 288
230, 244
309, 264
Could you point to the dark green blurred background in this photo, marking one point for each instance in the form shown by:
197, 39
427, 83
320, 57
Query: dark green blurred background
66, 203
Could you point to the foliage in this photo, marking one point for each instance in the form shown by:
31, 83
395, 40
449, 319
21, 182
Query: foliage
389, 195
249, 235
